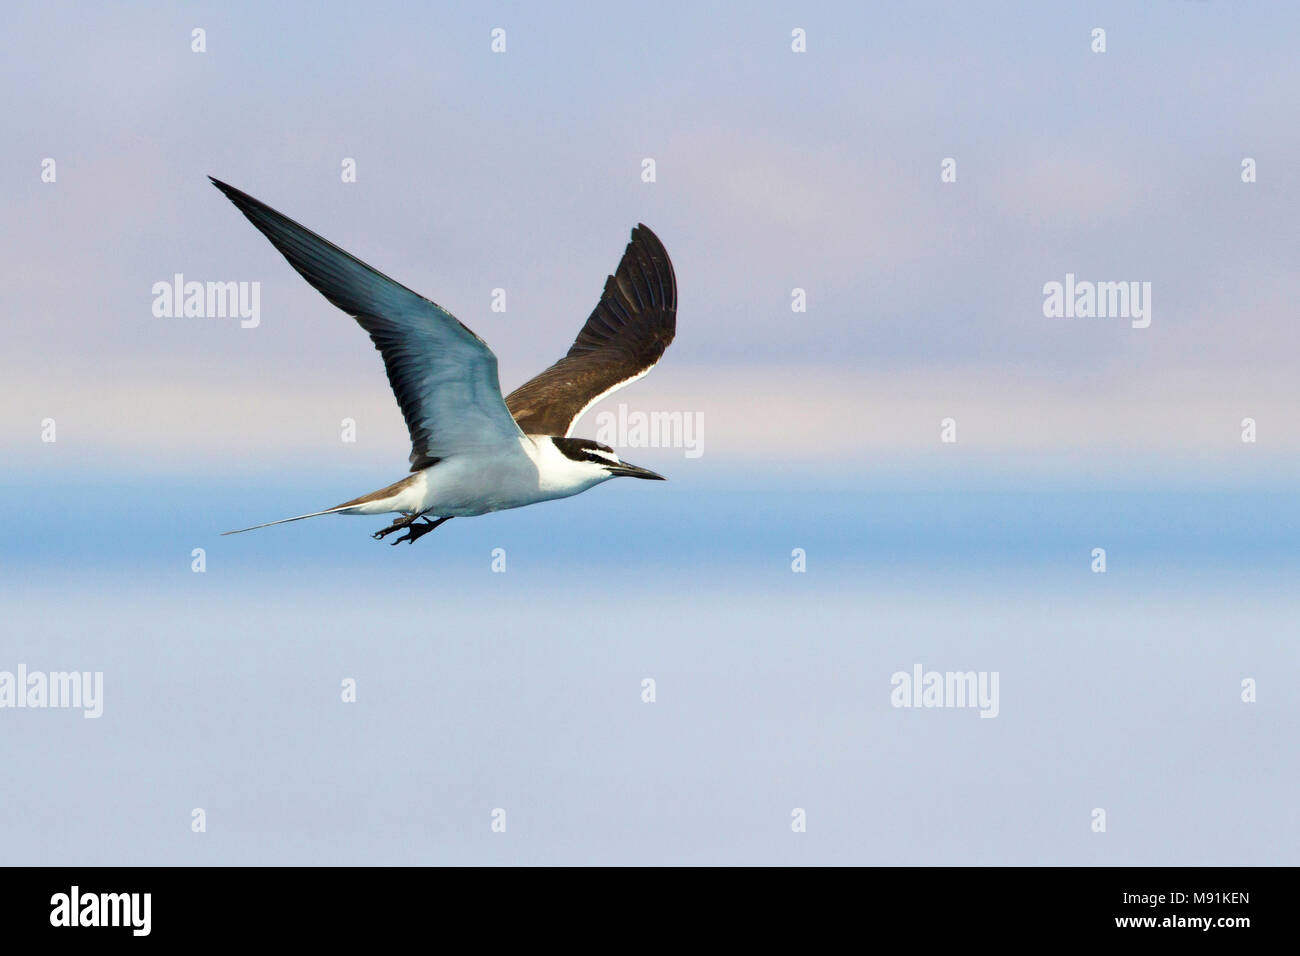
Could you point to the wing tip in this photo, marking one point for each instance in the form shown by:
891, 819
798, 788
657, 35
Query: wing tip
641, 231
243, 201
647, 244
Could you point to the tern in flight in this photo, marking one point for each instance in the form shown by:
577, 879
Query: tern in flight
473, 451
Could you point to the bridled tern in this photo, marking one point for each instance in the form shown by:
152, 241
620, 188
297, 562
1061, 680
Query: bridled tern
473, 451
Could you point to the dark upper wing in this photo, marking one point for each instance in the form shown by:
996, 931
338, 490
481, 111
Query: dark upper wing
444, 376
622, 340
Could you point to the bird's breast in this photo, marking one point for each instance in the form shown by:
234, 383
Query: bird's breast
475, 484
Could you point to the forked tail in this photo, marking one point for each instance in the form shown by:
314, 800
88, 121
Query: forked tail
314, 514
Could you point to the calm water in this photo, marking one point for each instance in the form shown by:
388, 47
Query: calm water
523, 690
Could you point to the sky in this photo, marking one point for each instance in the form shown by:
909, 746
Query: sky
916, 177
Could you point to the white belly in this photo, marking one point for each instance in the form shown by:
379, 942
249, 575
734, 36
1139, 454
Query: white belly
492, 479
496, 480
463, 486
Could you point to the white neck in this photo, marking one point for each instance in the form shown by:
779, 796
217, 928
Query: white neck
557, 473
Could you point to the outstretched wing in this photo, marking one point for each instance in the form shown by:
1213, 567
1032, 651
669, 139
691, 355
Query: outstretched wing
622, 340
444, 376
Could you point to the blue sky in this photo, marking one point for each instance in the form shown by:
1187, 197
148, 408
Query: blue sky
775, 171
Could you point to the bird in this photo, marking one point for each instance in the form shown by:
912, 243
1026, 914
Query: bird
474, 451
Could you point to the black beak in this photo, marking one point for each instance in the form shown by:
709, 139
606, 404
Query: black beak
632, 471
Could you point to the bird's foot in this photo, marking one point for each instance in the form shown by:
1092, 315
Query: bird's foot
415, 531
398, 525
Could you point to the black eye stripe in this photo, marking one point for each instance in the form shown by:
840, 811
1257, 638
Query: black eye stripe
582, 449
